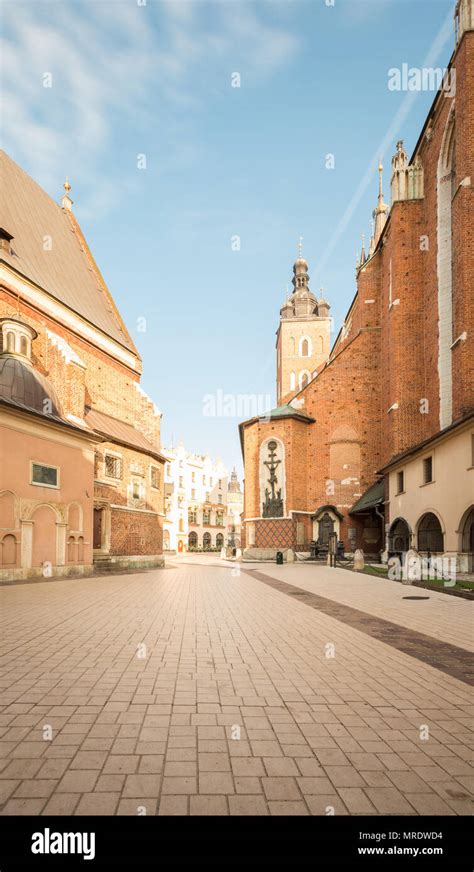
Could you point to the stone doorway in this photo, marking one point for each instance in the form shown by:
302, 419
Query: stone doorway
325, 528
98, 527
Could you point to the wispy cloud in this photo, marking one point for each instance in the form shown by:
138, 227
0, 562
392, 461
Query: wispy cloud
117, 67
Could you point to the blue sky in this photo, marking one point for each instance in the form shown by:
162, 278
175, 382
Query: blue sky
221, 161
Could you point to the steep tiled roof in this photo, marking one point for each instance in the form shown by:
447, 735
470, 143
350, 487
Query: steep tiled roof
120, 432
67, 270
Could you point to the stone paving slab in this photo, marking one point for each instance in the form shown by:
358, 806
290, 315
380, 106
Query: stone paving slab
448, 618
195, 691
449, 658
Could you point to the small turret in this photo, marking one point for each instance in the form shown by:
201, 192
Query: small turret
381, 211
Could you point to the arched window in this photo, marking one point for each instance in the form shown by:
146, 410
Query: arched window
468, 532
10, 341
192, 540
206, 542
292, 346
304, 378
430, 535
399, 536
80, 549
24, 345
305, 347
292, 381
219, 540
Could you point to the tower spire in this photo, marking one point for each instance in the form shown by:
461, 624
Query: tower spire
372, 239
381, 211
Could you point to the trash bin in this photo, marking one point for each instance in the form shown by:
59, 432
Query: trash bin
279, 557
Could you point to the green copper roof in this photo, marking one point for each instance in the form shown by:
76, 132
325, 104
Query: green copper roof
374, 496
286, 411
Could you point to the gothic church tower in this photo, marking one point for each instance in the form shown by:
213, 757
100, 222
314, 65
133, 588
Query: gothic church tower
303, 336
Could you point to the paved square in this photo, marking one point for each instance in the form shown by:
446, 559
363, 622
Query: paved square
196, 690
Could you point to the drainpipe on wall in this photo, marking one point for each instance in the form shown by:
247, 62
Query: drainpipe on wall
382, 517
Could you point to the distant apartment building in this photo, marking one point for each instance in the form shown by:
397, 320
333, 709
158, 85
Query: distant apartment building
196, 504
235, 507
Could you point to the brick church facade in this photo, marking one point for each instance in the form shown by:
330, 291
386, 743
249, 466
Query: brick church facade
375, 442
81, 482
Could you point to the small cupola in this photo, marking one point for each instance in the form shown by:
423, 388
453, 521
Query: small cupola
16, 337
5, 240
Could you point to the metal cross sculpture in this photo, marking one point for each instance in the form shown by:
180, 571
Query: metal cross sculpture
273, 505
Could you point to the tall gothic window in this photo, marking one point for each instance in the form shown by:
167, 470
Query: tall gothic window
446, 188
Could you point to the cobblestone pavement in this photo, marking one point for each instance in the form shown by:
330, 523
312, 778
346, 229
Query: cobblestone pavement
196, 690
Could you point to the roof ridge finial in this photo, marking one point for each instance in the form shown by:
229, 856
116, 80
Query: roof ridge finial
66, 201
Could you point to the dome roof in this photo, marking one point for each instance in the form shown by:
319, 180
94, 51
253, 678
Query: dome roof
300, 264
24, 386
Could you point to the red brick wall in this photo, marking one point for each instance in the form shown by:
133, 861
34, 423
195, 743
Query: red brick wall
387, 353
463, 233
134, 533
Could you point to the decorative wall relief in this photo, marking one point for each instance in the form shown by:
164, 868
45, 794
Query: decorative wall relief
272, 479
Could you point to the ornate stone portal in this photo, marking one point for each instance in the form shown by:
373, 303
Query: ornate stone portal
273, 504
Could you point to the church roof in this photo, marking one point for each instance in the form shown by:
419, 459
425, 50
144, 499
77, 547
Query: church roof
120, 432
284, 411
288, 411
374, 496
67, 270
27, 389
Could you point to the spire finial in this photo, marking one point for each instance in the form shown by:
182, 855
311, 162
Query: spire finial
300, 248
66, 201
380, 179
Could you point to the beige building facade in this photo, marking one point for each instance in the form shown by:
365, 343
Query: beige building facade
430, 494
